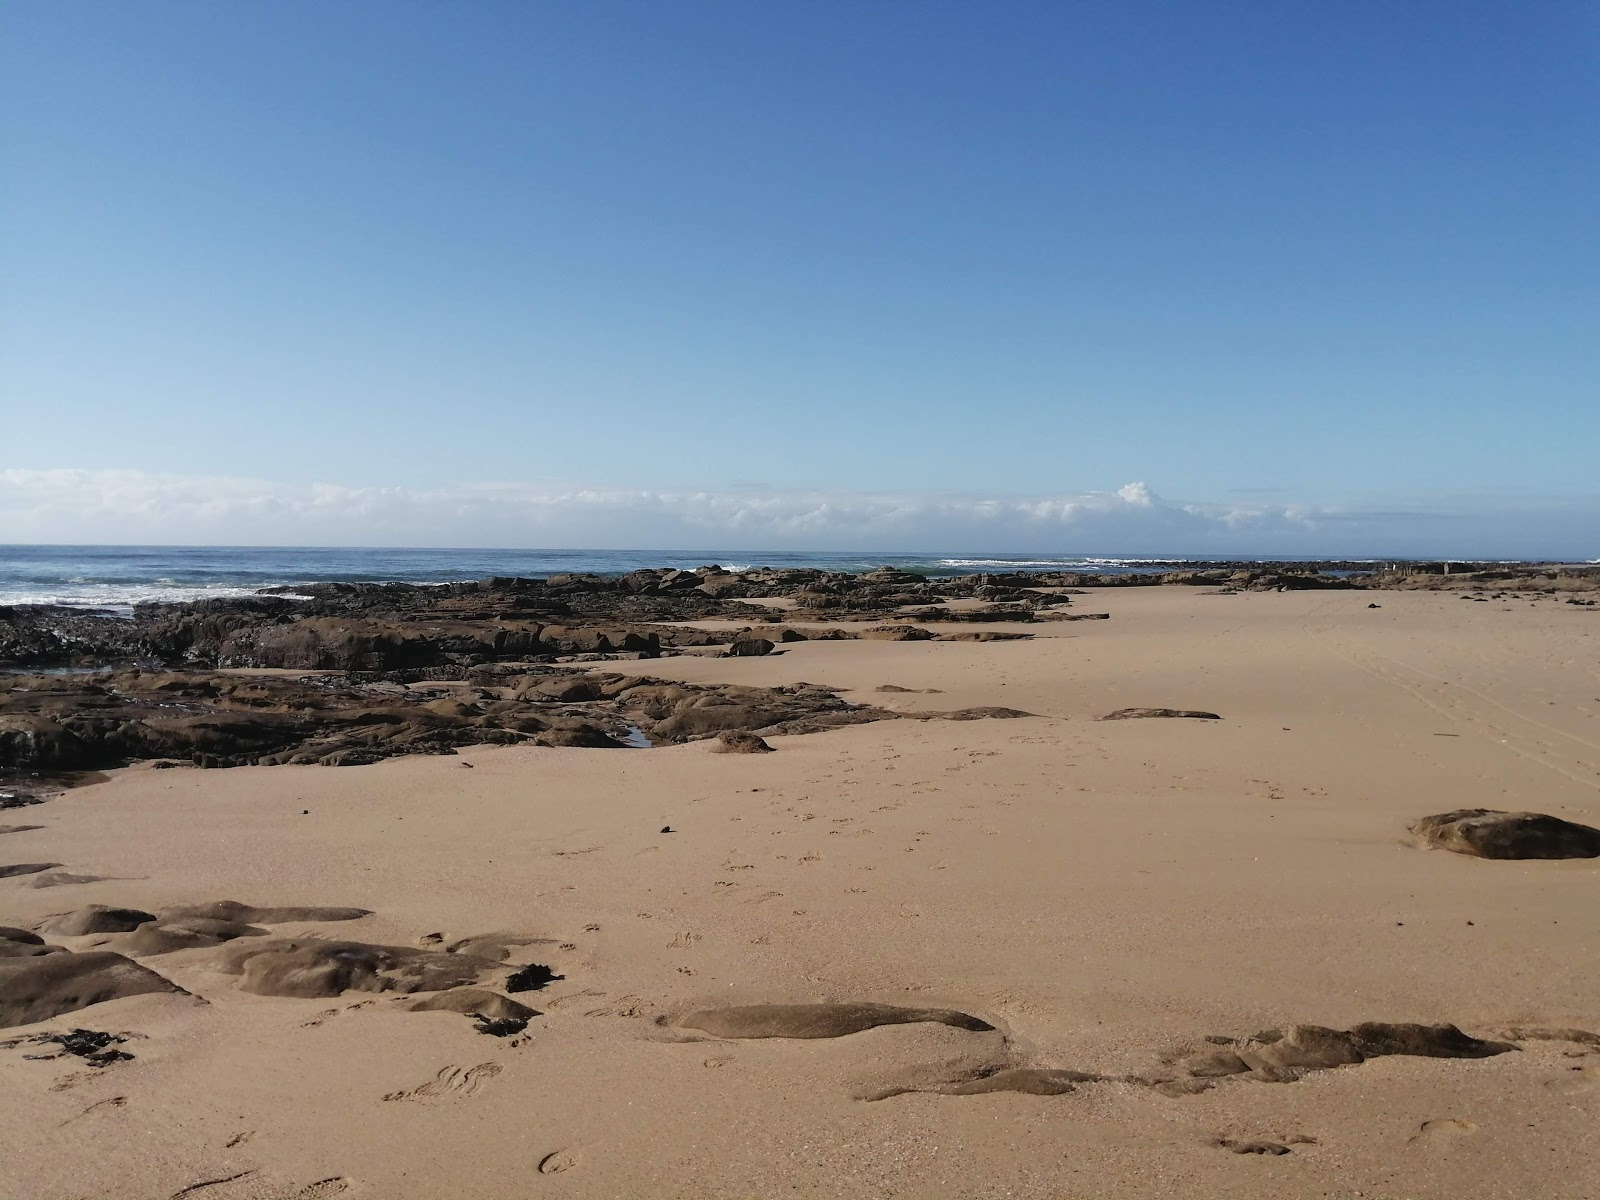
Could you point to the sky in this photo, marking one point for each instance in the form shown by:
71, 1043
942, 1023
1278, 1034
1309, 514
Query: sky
1289, 278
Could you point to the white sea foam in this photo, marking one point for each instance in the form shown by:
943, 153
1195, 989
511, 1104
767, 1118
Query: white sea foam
121, 597
1053, 562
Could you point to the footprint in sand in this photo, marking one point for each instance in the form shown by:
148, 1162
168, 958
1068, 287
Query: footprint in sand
334, 1185
450, 1081
558, 1161
1575, 1079
1443, 1129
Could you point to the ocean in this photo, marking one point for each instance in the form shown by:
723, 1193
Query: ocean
117, 577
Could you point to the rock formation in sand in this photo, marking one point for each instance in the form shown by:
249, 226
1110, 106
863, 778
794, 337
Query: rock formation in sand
38, 987
1487, 833
1134, 714
817, 1020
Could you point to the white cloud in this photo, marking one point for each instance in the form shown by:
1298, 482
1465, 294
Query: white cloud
125, 506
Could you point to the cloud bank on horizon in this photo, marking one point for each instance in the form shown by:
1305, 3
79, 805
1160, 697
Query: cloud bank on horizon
72, 506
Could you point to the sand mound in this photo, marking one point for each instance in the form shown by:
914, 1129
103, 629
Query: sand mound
311, 968
38, 988
96, 918
1131, 714
1487, 833
1280, 1057
818, 1020
232, 910
740, 743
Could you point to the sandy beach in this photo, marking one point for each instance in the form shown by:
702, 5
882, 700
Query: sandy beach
1097, 898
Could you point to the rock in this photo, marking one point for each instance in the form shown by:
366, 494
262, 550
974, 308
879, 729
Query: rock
740, 743
818, 1020
472, 1002
749, 648
1128, 714
14, 869
1487, 833
1281, 1057
48, 879
896, 633
96, 918
232, 912
182, 934
984, 713
311, 968
38, 988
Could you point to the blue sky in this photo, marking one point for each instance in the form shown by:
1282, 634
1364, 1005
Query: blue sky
1310, 272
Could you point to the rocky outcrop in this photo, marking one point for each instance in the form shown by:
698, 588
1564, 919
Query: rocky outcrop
83, 722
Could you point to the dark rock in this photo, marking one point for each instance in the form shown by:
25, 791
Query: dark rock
749, 648
38, 988
530, 978
96, 918
14, 869
313, 968
1128, 714
1487, 833
740, 743
818, 1020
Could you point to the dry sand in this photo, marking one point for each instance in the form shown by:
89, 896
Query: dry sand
1105, 894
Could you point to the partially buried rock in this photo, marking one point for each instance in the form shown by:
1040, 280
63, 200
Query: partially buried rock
232, 910
96, 918
1277, 1056
1130, 714
49, 879
311, 968
181, 934
749, 648
38, 988
23, 943
1487, 833
14, 869
473, 1002
734, 742
818, 1020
